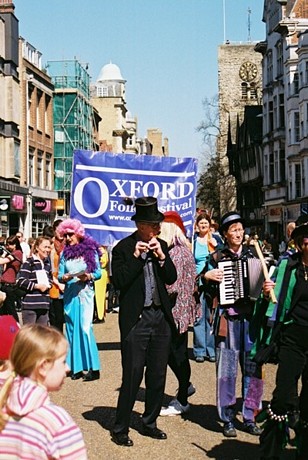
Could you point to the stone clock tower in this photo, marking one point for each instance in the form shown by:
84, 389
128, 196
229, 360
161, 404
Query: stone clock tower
239, 85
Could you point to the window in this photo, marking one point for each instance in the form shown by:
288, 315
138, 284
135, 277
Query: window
244, 91
47, 115
253, 91
296, 127
271, 168
38, 110
249, 91
290, 183
30, 91
16, 159
266, 178
102, 91
282, 164
48, 172
270, 116
281, 111
298, 180
275, 114
306, 72
279, 51
295, 83
301, 119
276, 166
269, 67
40, 169
31, 167
265, 118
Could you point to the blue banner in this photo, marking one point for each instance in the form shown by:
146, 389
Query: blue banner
101, 182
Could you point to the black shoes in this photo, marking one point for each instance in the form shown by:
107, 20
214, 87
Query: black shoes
121, 439
154, 433
77, 376
88, 377
91, 375
252, 428
229, 431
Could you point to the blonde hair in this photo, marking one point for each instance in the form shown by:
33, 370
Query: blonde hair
33, 344
172, 234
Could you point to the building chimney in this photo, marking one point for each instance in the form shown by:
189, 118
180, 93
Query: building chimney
6, 6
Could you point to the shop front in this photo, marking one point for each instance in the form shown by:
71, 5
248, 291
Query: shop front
275, 221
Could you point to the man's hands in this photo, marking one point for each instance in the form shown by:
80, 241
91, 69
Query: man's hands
153, 245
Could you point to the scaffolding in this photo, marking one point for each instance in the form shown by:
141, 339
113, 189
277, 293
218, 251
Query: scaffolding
73, 118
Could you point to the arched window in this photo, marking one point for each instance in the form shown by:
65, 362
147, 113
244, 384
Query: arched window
245, 91
253, 91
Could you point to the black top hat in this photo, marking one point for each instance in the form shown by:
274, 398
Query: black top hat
146, 210
301, 228
228, 219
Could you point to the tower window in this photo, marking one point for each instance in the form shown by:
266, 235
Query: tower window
244, 91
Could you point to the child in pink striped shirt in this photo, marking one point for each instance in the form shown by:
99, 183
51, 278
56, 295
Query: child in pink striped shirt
31, 426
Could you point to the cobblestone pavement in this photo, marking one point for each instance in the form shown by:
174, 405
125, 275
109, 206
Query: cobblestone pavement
197, 436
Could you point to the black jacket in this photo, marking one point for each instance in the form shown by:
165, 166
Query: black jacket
128, 277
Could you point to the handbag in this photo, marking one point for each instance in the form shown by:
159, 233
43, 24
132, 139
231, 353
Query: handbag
8, 330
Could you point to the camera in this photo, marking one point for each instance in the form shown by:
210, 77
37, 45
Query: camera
3, 252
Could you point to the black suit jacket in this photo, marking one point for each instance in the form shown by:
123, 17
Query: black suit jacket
128, 277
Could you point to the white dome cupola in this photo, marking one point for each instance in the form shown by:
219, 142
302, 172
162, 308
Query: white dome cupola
110, 82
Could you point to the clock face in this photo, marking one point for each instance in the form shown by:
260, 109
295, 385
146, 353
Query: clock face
248, 71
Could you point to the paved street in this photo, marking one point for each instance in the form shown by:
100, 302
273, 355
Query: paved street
198, 436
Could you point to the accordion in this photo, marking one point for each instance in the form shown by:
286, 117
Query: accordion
242, 281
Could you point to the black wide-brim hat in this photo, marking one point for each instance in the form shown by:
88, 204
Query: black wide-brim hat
301, 228
228, 219
147, 210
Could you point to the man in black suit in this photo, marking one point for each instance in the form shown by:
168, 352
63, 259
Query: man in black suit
141, 266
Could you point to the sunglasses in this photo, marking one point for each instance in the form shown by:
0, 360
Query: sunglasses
66, 235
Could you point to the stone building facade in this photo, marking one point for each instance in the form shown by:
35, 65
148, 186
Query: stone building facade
118, 129
239, 86
156, 144
285, 119
26, 133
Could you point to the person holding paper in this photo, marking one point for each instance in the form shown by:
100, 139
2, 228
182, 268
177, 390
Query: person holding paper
78, 269
35, 278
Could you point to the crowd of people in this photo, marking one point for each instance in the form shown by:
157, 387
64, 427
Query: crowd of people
165, 284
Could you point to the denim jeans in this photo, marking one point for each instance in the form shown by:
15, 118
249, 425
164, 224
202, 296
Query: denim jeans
204, 343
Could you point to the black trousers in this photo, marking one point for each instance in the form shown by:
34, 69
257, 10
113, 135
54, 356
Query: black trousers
179, 363
146, 346
11, 301
292, 366
56, 314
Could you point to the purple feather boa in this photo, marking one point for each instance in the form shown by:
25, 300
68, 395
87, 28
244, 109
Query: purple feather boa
87, 248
